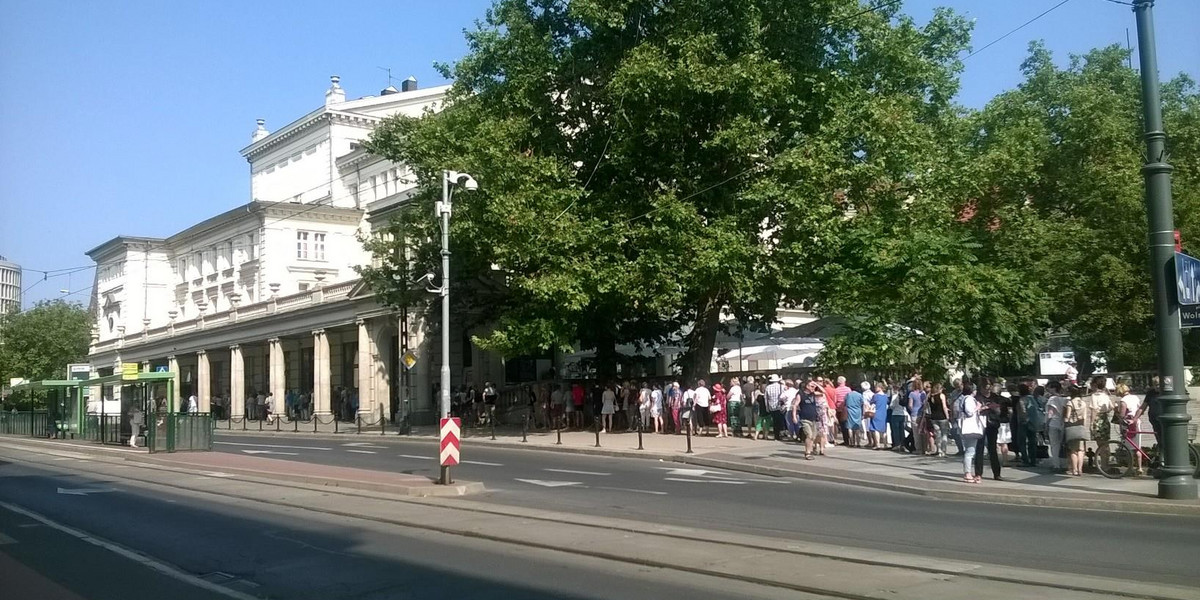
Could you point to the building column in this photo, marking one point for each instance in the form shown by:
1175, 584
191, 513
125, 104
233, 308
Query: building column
173, 367
366, 366
145, 367
237, 378
427, 347
203, 382
277, 369
320, 373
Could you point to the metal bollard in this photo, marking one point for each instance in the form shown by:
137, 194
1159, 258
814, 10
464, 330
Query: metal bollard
525, 430
383, 426
260, 424
277, 421
295, 424
335, 424
558, 433
597, 433
229, 423
315, 420
640, 427
689, 435
243, 423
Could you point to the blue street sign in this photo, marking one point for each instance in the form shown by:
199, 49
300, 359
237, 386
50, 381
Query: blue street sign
1187, 279
160, 369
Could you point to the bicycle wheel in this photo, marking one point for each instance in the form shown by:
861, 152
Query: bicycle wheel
1194, 460
1114, 463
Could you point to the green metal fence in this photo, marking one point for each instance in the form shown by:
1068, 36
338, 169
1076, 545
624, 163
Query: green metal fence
26, 423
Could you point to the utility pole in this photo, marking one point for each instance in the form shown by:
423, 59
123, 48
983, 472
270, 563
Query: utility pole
1176, 482
443, 209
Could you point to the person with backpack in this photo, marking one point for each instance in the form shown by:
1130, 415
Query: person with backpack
1032, 414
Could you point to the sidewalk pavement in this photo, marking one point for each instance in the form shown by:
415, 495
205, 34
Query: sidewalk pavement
810, 569
926, 476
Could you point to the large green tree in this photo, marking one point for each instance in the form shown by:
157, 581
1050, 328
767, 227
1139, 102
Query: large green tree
39, 343
645, 165
1053, 169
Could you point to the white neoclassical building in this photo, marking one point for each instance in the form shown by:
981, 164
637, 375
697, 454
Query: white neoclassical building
263, 298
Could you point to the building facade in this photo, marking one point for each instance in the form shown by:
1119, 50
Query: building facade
10, 286
264, 298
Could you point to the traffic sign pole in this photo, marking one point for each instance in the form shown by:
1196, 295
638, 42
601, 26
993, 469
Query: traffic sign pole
448, 454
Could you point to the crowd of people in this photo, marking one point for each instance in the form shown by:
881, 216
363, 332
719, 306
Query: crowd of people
1019, 422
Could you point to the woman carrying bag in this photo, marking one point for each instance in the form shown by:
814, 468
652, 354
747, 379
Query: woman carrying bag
1076, 434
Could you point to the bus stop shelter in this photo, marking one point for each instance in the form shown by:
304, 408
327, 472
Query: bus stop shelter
130, 409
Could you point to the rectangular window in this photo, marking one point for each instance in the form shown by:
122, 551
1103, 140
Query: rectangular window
318, 246
310, 245
302, 245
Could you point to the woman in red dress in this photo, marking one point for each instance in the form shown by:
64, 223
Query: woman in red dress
717, 410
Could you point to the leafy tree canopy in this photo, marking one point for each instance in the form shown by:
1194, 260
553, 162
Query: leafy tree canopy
40, 342
645, 165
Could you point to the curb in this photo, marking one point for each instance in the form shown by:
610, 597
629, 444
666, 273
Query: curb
1082, 503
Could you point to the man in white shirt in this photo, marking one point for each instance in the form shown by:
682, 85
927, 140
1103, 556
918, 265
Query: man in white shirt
703, 397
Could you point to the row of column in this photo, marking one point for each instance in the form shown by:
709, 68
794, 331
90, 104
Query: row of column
373, 384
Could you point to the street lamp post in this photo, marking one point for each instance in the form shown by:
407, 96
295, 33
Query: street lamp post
443, 212
1176, 482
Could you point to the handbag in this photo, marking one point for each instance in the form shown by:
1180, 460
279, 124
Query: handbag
1076, 433
714, 407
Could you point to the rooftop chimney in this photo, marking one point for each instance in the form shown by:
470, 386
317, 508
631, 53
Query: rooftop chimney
260, 131
409, 85
335, 94
389, 90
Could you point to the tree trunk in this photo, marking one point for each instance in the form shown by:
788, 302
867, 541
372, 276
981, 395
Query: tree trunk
606, 357
702, 339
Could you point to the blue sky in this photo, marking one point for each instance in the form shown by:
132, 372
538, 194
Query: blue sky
126, 117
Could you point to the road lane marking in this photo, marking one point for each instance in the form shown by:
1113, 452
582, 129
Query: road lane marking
415, 456
4, 540
573, 472
272, 446
363, 445
269, 452
362, 451
84, 491
480, 462
549, 484
632, 490
133, 555
705, 480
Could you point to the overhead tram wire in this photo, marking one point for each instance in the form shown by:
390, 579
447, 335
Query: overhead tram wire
1016, 29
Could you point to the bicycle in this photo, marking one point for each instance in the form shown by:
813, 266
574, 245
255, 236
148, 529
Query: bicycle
1118, 461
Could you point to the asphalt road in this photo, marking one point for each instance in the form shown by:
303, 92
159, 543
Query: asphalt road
250, 550
1136, 546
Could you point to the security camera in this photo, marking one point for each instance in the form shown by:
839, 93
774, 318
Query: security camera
469, 183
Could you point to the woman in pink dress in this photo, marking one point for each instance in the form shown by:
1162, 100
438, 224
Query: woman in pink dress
718, 407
